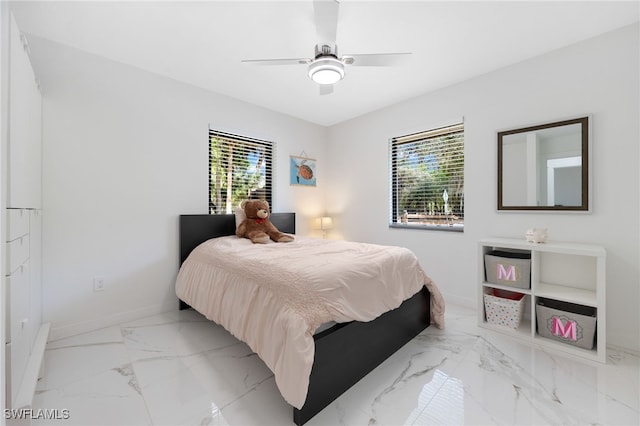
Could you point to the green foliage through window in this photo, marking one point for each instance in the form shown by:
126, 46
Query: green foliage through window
239, 168
427, 179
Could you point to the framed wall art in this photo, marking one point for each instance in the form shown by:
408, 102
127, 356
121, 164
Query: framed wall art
302, 170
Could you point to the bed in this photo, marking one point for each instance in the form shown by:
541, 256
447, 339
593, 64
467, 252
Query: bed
343, 353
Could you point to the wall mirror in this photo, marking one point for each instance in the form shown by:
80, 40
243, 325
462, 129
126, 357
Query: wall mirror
544, 167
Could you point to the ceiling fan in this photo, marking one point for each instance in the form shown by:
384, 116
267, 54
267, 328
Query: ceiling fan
327, 67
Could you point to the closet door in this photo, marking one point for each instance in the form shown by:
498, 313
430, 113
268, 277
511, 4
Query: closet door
25, 139
18, 293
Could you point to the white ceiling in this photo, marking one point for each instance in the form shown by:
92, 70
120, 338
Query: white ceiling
203, 42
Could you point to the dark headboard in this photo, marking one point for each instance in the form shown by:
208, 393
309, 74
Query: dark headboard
198, 228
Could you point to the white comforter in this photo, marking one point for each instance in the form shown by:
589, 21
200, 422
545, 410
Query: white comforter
274, 296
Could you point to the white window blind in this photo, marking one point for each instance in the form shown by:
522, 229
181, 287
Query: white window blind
427, 179
239, 168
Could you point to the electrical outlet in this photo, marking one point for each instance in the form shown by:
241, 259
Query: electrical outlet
98, 283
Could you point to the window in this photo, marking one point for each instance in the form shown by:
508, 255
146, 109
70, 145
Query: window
239, 168
427, 179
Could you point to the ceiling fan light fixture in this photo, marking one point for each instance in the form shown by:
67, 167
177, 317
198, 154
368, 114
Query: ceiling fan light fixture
326, 70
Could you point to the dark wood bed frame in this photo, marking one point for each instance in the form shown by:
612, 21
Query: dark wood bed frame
344, 353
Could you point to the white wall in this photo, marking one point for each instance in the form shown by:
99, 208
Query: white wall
125, 152
597, 77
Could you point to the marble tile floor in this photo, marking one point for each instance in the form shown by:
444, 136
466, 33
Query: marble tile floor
178, 368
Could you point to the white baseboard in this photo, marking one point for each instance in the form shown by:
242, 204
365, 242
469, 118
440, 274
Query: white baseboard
67, 330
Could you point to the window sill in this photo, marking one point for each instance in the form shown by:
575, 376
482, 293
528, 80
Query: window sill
447, 228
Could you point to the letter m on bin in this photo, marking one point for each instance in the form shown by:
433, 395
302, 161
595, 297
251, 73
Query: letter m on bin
564, 330
506, 273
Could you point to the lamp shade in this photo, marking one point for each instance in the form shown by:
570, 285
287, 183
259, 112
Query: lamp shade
326, 223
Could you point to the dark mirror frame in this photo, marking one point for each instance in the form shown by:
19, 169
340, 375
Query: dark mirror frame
584, 121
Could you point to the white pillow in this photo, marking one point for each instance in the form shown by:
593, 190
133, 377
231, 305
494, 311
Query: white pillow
240, 216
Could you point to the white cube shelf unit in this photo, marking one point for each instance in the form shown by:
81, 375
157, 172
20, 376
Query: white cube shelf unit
565, 272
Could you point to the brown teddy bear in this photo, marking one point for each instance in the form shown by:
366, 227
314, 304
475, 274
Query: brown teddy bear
257, 227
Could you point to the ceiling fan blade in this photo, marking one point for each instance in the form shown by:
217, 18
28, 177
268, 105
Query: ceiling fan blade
326, 18
326, 89
375, 59
292, 61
